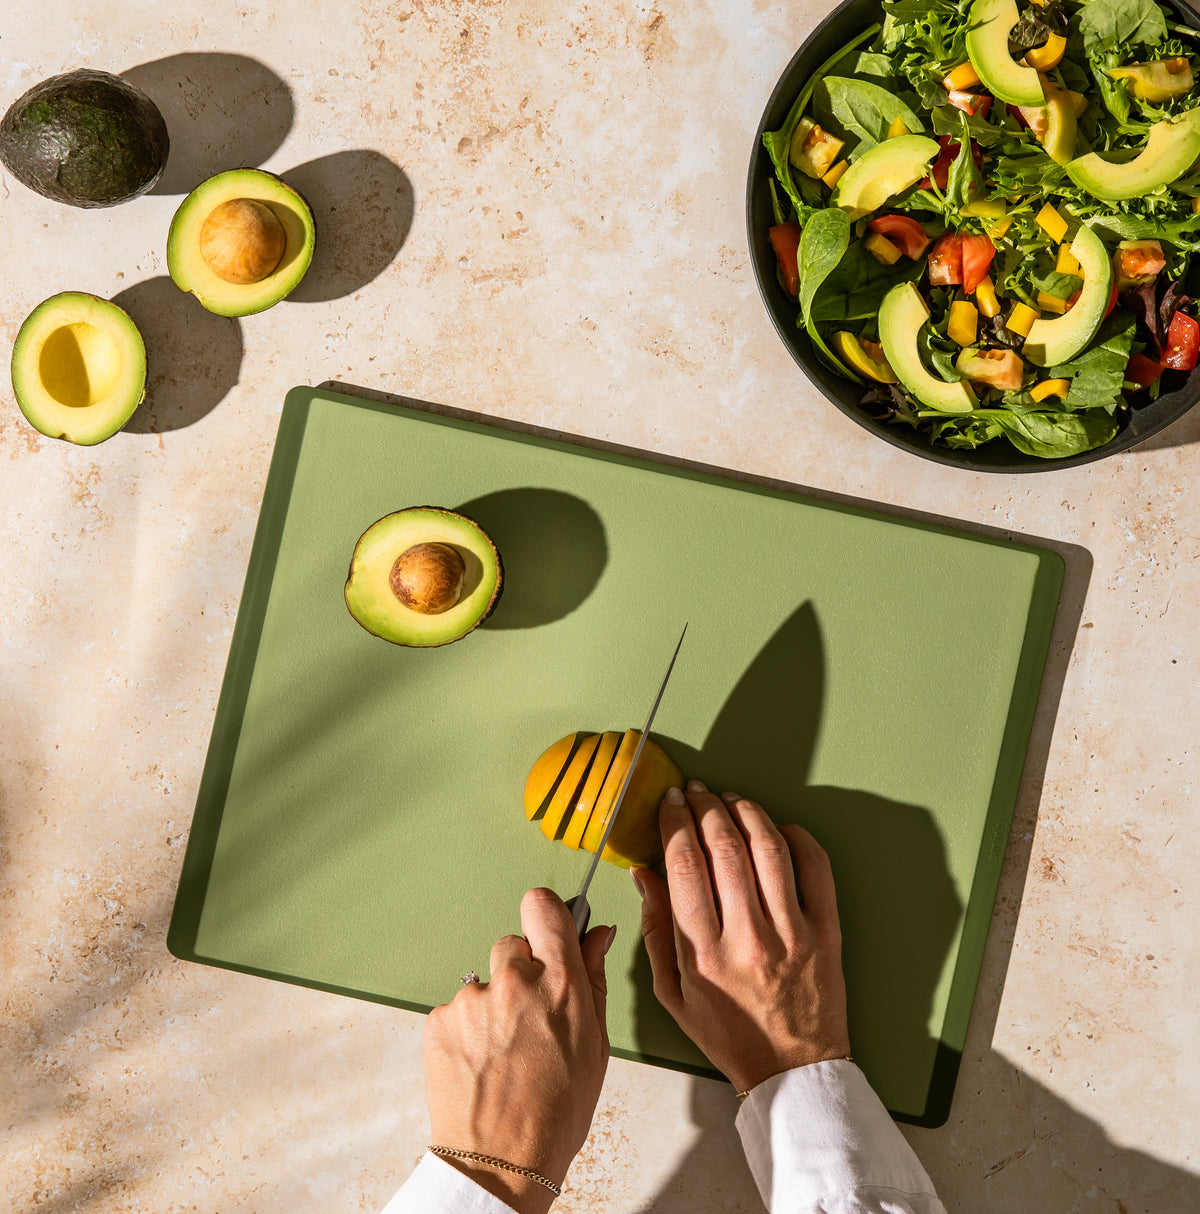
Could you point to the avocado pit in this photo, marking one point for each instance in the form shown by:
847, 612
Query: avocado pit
428, 578
242, 241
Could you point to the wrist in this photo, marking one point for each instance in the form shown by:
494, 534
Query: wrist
745, 1080
523, 1194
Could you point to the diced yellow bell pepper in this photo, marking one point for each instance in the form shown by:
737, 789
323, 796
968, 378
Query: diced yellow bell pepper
831, 178
1050, 387
985, 298
987, 208
1021, 320
1043, 58
962, 77
1066, 263
1052, 223
1196, 204
999, 228
897, 129
1079, 102
1051, 303
964, 320
882, 249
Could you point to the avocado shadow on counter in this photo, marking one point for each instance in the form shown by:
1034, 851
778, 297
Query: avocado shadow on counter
222, 111
553, 549
362, 204
193, 356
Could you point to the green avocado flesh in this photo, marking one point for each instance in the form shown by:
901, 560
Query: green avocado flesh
901, 316
1171, 148
1060, 338
882, 171
190, 270
377, 605
85, 138
78, 368
987, 49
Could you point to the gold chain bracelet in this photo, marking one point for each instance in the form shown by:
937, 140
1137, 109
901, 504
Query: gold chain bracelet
492, 1162
840, 1058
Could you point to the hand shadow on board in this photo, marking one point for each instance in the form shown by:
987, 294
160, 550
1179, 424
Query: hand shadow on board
881, 851
222, 112
193, 356
553, 548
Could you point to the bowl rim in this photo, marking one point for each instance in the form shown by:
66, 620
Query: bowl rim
1178, 401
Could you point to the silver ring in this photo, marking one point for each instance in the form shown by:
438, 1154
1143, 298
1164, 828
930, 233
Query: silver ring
469, 977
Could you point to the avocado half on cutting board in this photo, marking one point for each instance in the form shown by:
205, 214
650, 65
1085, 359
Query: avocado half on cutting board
78, 368
423, 576
241, 241
86, 138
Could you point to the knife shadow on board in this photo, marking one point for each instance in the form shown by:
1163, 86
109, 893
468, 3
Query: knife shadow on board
898, 905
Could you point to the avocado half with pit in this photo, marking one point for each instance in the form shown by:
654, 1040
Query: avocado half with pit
423, 577
991, 22
78, 368
1059, 339
241, 241
1172, 146
572, 788
901, 316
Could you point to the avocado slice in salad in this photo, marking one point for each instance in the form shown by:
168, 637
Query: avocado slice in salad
901, 317
1171, 148
1159, 81
1055, 123
987, 48
1060, 338
881, 172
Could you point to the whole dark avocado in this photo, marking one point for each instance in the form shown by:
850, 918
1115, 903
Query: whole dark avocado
86, 138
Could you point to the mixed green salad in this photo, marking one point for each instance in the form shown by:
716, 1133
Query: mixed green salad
987, 216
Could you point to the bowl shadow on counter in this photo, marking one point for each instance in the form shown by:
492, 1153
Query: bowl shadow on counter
553, 548
193, 357
362, 205
222, 112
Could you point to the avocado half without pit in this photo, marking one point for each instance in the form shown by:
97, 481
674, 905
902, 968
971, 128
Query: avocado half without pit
572, 788
241, 242
78, 368
423, 576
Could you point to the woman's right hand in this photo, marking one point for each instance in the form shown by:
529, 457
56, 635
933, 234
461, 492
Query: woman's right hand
743, 937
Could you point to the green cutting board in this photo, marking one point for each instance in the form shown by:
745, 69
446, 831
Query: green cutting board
359, 824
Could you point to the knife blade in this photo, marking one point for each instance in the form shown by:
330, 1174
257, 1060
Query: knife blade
578, 906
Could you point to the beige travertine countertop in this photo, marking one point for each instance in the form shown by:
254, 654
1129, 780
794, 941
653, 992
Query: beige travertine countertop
533, 211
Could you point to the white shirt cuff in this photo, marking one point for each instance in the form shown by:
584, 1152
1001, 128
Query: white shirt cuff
435, 1187
818, 1139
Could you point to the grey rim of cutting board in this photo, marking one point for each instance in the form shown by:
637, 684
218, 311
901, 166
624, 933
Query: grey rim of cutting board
358, 826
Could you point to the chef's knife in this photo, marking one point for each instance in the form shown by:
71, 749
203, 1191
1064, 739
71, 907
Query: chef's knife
578, 906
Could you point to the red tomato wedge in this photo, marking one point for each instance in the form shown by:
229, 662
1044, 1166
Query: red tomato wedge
902, 231
785, 240
1142, 371
946, 261
1183, 338
977, 255
970, 103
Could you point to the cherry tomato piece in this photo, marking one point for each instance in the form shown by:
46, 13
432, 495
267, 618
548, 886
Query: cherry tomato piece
977, 255
1142, 371
946, 261
1183, 339
903, 231
785, 240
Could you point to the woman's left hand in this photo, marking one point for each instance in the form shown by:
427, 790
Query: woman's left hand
515, 1065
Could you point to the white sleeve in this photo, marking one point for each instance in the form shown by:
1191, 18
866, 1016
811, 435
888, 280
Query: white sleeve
819, 1141
437, 1188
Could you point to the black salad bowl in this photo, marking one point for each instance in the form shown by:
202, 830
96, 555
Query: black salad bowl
839, 27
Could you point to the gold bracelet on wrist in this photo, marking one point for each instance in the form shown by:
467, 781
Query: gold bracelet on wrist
839, 1058
492, 1162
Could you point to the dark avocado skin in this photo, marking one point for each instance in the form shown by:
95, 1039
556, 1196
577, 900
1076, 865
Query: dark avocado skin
85, 138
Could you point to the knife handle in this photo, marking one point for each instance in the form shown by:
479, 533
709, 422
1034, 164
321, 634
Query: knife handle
581, 912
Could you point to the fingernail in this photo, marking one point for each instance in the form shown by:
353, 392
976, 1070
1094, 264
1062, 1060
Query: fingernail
636, 874
612, 935
674, 796
731, 796
696, 786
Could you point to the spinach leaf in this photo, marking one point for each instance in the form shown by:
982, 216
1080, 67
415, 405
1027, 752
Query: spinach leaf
857, 286
823, 243
1056, 434
1097, 374
871, 65
861, 108
1110, 24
